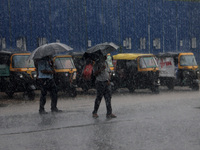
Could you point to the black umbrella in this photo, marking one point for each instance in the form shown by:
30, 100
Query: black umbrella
100, 49
49, 50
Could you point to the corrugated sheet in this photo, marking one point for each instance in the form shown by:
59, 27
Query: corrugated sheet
81, 23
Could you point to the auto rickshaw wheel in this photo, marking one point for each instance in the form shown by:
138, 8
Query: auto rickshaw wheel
10, 94
29, 95
131, 89
195, 87
155, 89
9, 90
85, 88
73, 92
170, 84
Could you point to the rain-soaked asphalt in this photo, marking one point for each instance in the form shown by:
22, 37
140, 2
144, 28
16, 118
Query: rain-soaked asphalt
166, 121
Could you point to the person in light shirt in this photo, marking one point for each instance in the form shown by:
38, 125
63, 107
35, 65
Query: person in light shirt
45, 73
102, 73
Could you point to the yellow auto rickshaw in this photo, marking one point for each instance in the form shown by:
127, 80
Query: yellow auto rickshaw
17, 74
178, 69
65, 74
136, 71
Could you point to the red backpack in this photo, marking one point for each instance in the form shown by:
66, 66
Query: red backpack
87, 72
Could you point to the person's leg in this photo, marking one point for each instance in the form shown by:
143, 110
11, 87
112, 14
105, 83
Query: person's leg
107, 97
42, 97
53, 94
99, 96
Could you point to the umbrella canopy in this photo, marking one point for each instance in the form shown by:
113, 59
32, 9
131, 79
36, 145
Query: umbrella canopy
100, 49
104, 48
49, 50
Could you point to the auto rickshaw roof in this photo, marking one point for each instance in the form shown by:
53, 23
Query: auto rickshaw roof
5, 52
129, 56
171, 54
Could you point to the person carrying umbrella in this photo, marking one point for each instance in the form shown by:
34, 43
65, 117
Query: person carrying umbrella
103, 86
45, 78
42, 57
102, 72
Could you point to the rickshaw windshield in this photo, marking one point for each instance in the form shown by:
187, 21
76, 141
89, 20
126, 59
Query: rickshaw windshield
148, 62
64, 63
109, 61
188, 60
20, 61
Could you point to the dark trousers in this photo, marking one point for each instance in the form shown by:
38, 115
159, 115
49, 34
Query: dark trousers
103, 89
48, 85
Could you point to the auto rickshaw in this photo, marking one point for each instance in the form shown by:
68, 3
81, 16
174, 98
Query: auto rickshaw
178, 69
136, 71
17, 74
65, 74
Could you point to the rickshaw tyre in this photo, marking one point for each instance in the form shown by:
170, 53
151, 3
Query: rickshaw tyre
73, 93
170, 87
170, 84
10, 94
29, 95
195, 87
131, 90
155, 90
85, 89
9, 90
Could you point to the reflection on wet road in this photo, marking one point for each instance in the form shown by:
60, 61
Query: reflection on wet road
169, 120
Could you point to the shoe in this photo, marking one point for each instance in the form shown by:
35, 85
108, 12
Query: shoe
56, 110
42, 112
111, 116
95, 116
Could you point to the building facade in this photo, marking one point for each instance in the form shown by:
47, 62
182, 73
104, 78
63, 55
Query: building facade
138, 26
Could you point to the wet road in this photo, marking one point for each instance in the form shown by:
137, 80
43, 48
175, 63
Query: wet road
167, 121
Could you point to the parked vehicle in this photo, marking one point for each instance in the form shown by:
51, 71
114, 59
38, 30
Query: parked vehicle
65, 74
136, 71
17, 74
178, 69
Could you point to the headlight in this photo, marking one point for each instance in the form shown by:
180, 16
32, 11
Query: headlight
158, 81
21, 76
34, 76
197, 72
113, 74
186, 73
66, 74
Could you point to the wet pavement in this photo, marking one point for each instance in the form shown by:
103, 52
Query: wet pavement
145, 121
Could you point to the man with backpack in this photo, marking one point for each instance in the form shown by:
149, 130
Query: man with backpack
102, 73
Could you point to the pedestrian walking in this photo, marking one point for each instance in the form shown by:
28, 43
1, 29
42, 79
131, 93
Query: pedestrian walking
102, 73
46, 82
